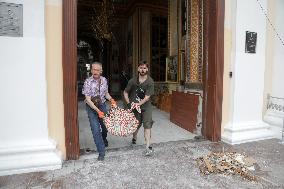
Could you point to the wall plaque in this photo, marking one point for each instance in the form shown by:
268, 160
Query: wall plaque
250, 42
11, 19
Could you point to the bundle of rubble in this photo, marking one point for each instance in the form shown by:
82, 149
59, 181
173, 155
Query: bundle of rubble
227, 163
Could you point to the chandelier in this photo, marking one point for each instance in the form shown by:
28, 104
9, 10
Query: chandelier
102, 20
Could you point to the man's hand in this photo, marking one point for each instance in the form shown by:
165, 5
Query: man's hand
136, 106
101, 114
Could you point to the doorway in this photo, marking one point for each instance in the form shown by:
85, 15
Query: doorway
213, 74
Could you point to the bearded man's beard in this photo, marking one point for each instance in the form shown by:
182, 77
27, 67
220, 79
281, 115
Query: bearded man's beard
143, 73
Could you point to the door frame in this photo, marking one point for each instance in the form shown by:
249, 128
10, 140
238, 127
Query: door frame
69, 65
213, 63
212, 75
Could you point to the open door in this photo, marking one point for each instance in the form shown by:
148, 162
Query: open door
213, 73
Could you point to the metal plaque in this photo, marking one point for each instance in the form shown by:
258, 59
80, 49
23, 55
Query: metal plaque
11, 19
250, 42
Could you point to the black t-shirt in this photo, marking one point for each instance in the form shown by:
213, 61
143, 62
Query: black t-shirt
137, 91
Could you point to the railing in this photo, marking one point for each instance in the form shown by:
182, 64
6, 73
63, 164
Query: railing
282, 142
275, 106
278, 107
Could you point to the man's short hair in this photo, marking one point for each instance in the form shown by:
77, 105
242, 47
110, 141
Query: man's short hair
143, 62
97, 63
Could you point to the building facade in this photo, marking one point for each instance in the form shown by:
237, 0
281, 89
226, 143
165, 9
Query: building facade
32, 129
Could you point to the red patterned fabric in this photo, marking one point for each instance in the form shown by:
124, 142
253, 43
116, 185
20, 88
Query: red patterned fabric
121, 122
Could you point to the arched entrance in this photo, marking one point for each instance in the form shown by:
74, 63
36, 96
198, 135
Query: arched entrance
212, 77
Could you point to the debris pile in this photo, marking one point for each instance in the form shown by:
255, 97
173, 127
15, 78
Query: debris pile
227, 163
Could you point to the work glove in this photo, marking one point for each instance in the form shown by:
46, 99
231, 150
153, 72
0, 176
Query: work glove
135, 106
101, 114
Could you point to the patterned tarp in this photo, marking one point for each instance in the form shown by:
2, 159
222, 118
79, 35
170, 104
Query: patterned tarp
121, 122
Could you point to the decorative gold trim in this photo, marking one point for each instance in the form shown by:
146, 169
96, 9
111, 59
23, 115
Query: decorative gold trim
194, 42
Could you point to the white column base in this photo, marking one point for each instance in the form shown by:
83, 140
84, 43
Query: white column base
23, 159
276, 122
238, 133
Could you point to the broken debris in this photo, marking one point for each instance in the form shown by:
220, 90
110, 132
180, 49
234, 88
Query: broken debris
227, 163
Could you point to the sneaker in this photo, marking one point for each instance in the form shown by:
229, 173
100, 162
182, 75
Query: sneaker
133, 141
149, 151
101, 157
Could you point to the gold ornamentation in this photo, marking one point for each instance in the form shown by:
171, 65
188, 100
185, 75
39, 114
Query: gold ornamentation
194, 41
194, 47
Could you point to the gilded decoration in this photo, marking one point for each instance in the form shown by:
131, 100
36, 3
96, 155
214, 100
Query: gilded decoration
194, 41
200, 42
188, 39
193, 77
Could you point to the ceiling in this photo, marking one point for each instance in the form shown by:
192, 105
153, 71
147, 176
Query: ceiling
122, 9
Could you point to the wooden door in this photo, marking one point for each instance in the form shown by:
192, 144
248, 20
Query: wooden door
213, 72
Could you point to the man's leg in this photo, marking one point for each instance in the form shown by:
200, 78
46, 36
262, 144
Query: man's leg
103, 126
147, 136
138, 117
147, 124
96, 131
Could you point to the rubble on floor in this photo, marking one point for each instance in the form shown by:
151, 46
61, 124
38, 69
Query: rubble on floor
227, 163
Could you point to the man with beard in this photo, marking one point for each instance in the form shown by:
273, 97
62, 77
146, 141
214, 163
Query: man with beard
96, 93
138, 91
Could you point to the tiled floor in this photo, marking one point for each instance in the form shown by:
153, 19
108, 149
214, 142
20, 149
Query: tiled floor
163, 131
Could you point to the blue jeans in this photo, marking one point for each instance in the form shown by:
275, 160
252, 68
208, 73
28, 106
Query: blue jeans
98, 127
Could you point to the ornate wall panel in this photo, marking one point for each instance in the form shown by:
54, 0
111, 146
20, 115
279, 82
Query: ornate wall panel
200, 41
194, 35
194, 41
188, 39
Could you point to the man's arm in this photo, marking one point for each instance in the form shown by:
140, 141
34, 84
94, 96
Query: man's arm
91, 104
145, 99
127, 90
126, 97
87, 92
108, 97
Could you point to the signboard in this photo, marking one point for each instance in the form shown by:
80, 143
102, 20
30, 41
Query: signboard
250, 42
11, 19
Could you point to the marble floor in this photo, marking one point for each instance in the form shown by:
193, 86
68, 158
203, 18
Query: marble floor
163, 131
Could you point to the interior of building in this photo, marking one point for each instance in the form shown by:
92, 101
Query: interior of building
120, 33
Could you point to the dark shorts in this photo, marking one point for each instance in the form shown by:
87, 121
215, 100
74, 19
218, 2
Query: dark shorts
145, 117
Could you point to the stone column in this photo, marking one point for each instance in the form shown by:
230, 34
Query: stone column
24, 141
274, 112
245, 121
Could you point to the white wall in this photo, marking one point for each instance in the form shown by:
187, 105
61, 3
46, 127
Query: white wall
274, 115
245, 122
54, 72
249, 68
229, 60
278, 62
23, 97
